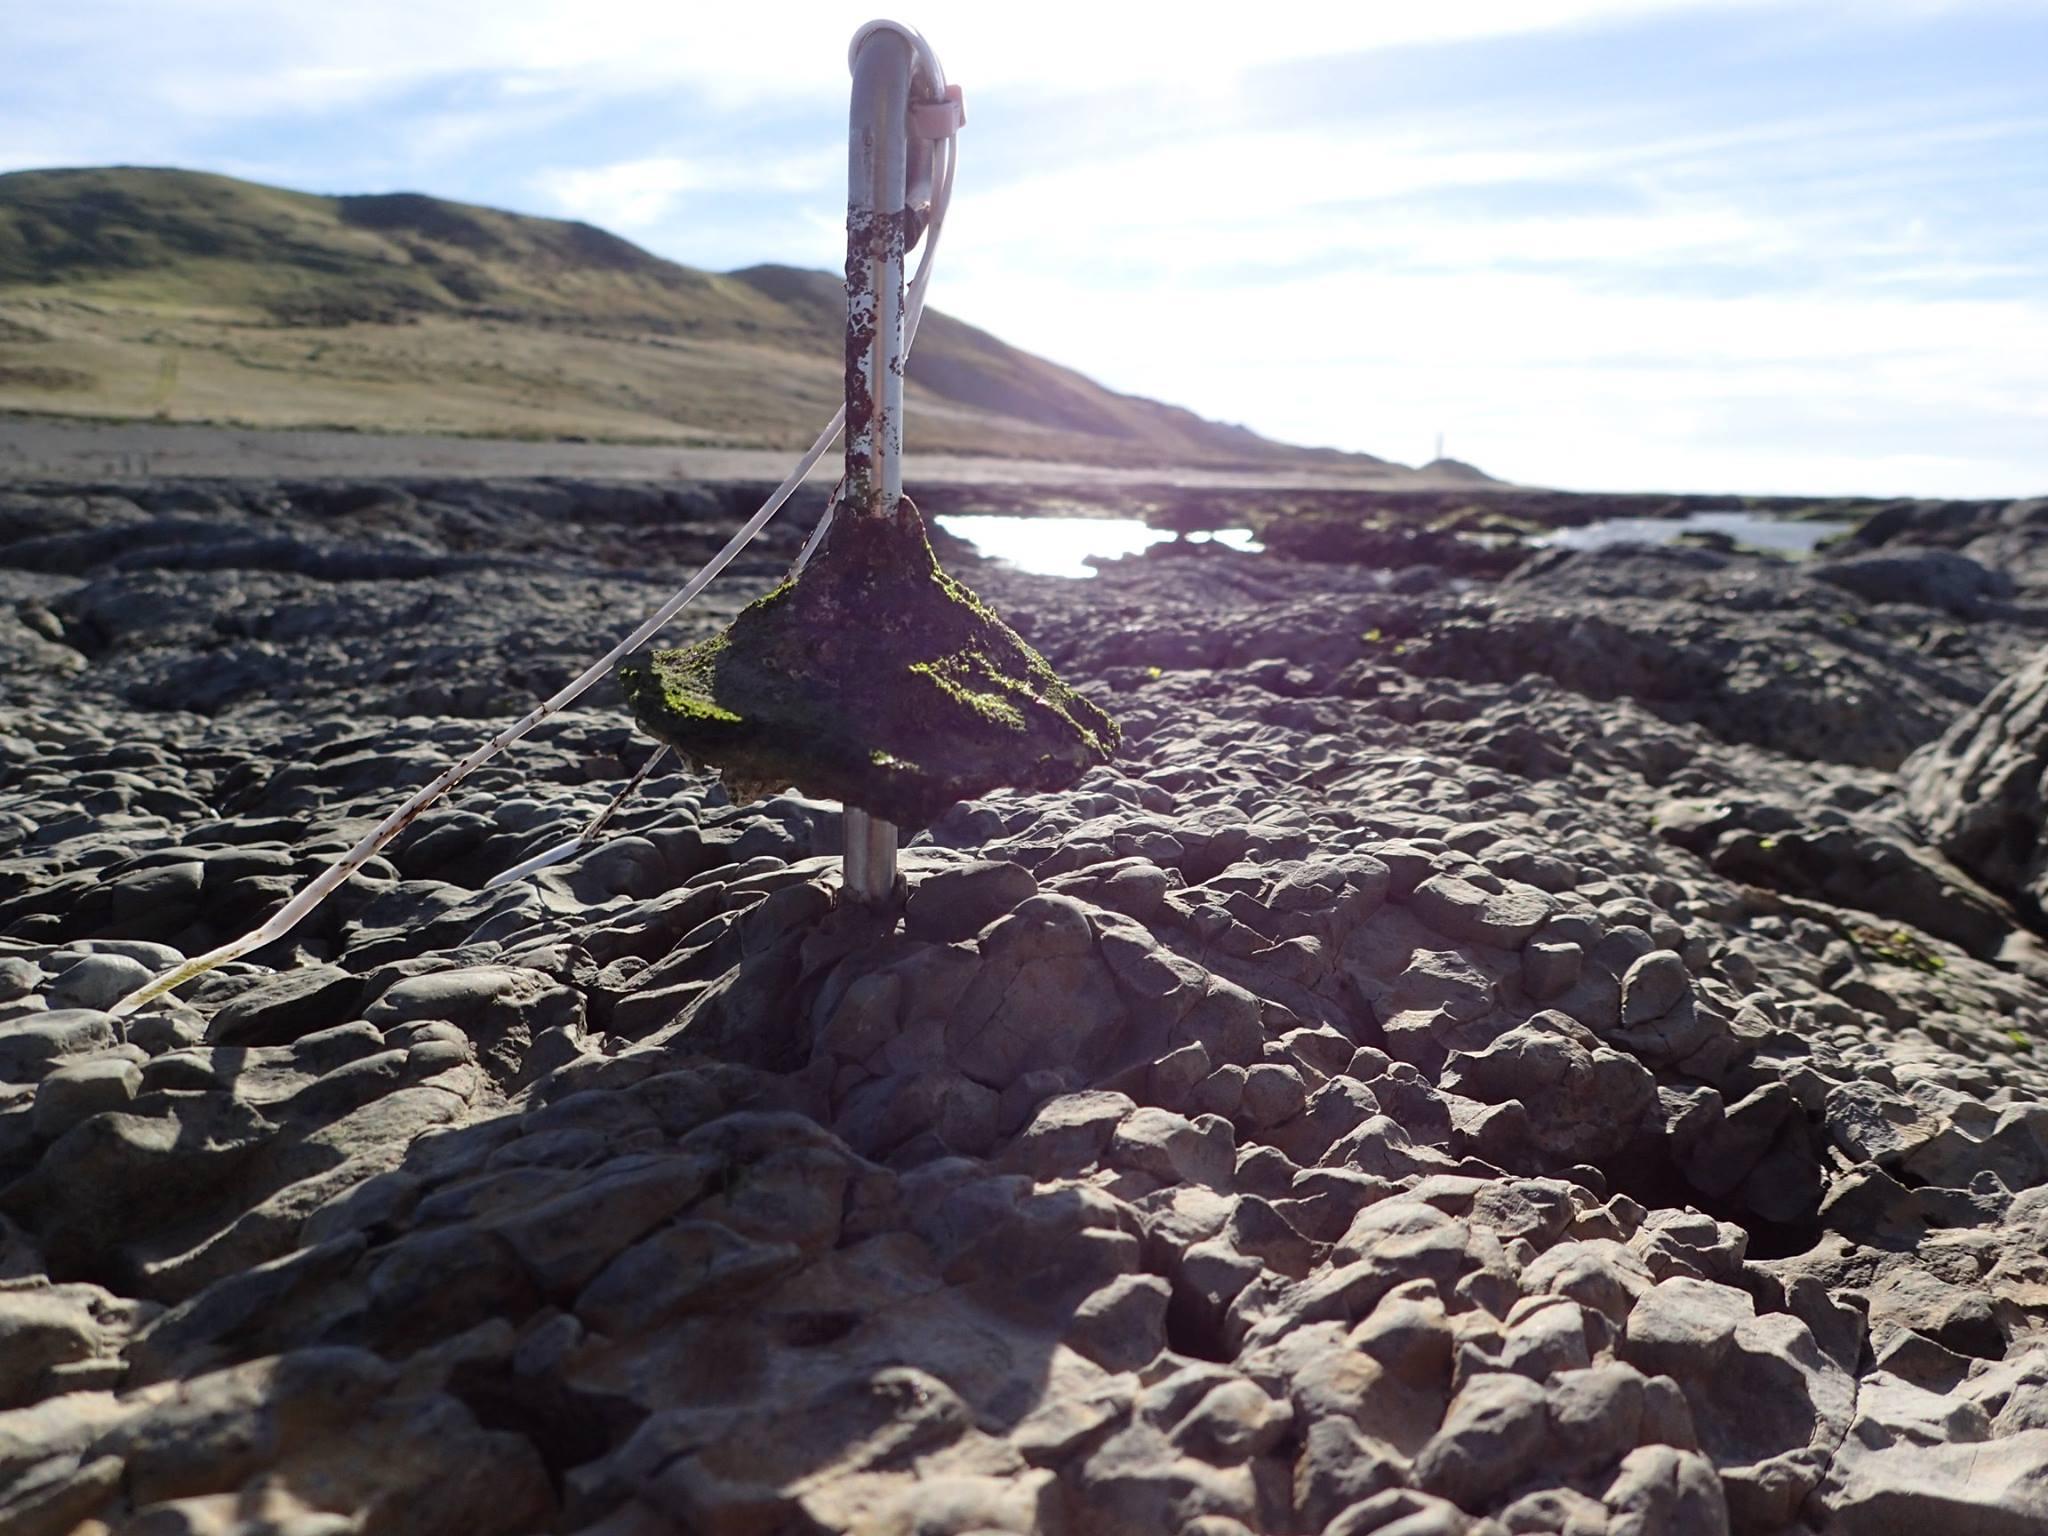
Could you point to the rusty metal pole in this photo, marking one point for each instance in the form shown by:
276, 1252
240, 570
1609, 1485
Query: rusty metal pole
877, 179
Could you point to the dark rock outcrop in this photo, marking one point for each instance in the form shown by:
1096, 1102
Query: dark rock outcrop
1502, 1060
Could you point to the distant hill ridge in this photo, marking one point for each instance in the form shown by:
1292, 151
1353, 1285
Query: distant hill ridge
185, 296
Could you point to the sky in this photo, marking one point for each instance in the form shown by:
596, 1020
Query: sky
1767, 246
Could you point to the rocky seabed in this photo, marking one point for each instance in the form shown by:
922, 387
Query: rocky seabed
1556, 1056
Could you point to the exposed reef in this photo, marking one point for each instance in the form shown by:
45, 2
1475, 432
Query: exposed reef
1565, 1054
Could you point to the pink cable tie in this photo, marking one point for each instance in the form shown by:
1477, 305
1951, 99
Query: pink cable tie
939, 119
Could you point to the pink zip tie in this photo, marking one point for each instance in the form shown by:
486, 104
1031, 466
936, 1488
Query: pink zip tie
939, 119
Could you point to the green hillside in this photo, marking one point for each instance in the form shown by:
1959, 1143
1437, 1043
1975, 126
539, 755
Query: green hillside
182, 296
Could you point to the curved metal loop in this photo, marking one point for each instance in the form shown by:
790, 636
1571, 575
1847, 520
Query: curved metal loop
935, 113
927, 60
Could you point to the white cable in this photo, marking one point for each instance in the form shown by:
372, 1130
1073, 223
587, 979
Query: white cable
324, 884
562, 852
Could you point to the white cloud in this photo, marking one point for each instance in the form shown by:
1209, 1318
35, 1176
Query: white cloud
636, 196
227, 58
631, 195
1558, 379
1321, 281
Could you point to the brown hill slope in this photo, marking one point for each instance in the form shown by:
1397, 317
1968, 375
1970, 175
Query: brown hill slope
183, 296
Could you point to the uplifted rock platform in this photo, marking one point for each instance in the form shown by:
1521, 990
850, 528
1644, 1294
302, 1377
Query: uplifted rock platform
1420, 1086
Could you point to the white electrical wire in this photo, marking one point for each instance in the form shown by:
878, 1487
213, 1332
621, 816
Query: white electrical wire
562, 852
324, 884
914, 312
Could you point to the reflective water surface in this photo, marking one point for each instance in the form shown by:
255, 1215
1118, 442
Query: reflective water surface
1751, 528
1063, 546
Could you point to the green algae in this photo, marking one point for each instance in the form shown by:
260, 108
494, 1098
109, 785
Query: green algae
1899, 946
873, 678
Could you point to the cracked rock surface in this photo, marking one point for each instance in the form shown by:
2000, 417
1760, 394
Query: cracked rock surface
1563, 1055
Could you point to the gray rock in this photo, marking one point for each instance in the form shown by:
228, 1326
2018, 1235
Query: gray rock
1961, 1318
1545, 1334
1662, 1491
1403, 1512
1323, 1052
1433, 980
1339, 1467
1653, 986
1927, 578
1231, 1423
118, 1178
1598, 1273
40, 1329
84, 1088
1996, 1488
1260, 1228
1271, 1094
62, 1494
1599, 1413
1555, 1512
1068, 1134
1403, 1240
1332, 1112
503, 1010
957, 903
1041, 927
1890, 1409
1550, 969
438, 1284
1491, 1436
1686, 1328
868, 1018
1584, 1101
1042, 1000
157, 902
1176, 1075
280, 1008
1175, 1149
97, 981
883, 1114
1221, 1092
1135, 1481
689, 1267
1135, 887
1876, 1124
1976, 792
1459, 910
1769, 1405
2012, 1144
1692, 1244
565, 1241
18, 978
420, 1462
1123, 1326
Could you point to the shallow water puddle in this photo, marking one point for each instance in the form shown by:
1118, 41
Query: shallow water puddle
1063, 546
1751, 528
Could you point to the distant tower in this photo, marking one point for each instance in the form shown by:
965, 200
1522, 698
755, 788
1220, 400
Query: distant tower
1439, 445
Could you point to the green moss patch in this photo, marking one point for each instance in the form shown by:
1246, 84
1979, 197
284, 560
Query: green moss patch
1899, 946
874, 679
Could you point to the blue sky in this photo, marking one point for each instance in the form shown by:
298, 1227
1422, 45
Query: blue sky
1636, 244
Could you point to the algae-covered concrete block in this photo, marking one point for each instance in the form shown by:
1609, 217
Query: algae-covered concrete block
872, 678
